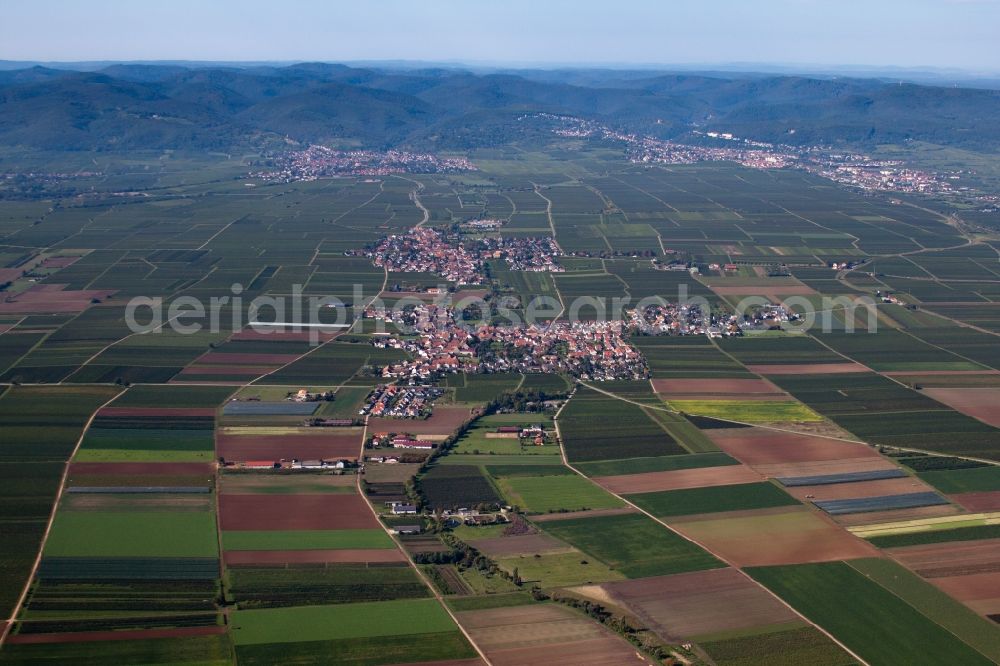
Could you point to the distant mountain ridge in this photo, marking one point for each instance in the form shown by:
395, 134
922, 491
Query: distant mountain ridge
160, 106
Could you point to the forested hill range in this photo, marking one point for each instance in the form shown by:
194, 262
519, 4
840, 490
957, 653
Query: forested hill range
143, 106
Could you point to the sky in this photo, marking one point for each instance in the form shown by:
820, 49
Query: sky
960, 34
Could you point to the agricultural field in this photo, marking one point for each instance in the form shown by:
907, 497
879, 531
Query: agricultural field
870, 619
741, 497
596, 427
545, 494
634, 544
386, 631
187, 532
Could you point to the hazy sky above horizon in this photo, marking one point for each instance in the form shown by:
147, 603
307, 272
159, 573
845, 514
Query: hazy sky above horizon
906, 33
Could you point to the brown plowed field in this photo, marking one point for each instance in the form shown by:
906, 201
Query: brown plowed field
767, 537
304, 447
156, 411
860, 489
526, 544
979, 403
450, 662
689, 604
980, 591
874, 517
326, 511
545, 635
50, 299
678, 479
135, 634
343, 556
819, 467
757, 446
981, 501
960, 558
443, 421
808, 368
142, 469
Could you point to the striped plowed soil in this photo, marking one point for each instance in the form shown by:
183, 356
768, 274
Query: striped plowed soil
544, 635
327, 511
141, 469
276, 447
875, 517
980, 591
951, 559
860, 489
451, 662
758, 446
678, 479
979, 501
762, 538
340, 556
156, 411
130, 635
979, 403
821, 467
702, 602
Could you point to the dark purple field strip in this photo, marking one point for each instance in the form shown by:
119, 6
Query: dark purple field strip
884, 503
846, 477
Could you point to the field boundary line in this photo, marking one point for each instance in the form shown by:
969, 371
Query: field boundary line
399, 545
562, 451
895, 594
52, 516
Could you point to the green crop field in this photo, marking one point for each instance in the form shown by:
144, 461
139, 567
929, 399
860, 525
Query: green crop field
661, 464
977, 631
362, 620
542, 494
635, 545
869, 619
275, 587
132, 534
744, 496
791, 647
970, 533
980, 479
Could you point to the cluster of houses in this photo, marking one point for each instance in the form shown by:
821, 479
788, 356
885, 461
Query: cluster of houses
317, 162
401, 402
425, 250
590, 350
668, 319
529, 255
